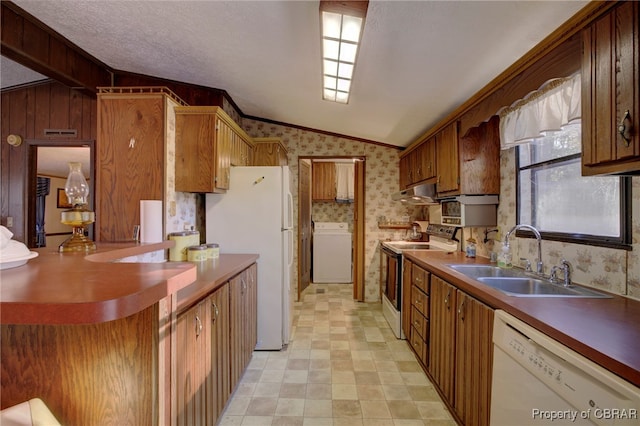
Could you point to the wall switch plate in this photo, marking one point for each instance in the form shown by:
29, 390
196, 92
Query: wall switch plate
9, 221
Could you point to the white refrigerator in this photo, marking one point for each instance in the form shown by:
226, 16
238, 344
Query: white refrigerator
256, 216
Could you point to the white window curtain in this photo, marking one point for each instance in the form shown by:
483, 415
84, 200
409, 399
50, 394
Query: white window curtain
345, 174
548, 109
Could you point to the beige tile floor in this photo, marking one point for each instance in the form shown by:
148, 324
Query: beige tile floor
344, 366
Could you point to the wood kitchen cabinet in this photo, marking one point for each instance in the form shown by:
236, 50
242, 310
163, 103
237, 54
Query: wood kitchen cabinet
469, 164
193, 366
442, 335
205, 138
419, 334
269, 152
460, 164
132, 133
407, 267
215, 340
474, 360
418, 165
242, 150
448, 160
423, 161
610, 90
220, 356
243, 299
323, 181
461, 351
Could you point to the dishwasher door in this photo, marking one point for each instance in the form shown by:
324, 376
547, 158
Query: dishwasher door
538, 381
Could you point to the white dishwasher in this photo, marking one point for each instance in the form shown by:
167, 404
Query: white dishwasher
539, 381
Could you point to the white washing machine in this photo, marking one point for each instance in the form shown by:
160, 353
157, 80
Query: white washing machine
331, 253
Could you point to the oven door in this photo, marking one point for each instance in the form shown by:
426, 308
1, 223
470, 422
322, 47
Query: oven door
391, 276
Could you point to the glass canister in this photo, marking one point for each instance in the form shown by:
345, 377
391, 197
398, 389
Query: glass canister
197, 253
214, 250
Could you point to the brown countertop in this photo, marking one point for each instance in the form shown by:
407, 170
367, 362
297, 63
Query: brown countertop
211, 275
607, 331
76, 288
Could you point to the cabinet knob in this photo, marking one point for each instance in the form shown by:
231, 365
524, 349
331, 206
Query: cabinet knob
624, 130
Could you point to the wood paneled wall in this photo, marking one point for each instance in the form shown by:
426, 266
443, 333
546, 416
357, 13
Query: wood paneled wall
27, 112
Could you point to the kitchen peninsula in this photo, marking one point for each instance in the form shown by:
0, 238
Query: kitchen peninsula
100, 341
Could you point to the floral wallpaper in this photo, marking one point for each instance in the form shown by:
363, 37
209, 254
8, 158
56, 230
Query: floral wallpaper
381, 174
613, 270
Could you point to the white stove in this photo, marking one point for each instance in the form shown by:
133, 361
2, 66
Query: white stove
441, 238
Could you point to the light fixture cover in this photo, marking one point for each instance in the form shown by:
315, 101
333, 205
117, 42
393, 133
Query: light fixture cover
341, 25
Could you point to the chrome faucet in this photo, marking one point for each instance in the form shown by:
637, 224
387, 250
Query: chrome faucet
539, 266
565, 267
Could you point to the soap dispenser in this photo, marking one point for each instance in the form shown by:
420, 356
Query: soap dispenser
504, 260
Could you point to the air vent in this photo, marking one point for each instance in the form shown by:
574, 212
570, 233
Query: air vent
61, 133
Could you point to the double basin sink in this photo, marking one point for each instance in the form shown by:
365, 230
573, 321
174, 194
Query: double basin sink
516, 282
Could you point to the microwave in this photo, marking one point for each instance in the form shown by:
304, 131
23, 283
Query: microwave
470, 210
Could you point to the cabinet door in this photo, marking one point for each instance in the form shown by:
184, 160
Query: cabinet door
224, 136
220, 372
448, 160
131, 169
424, 160
243, 313
610, 88
407, 266
323, 182
442, 332
270, 154
474, 360
405, 172
193, 366
196, 138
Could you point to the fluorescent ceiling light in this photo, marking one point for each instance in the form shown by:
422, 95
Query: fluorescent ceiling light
341, 24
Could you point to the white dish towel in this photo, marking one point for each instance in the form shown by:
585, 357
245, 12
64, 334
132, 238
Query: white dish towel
345, 174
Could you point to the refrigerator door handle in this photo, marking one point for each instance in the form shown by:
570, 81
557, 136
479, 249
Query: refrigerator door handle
289, 218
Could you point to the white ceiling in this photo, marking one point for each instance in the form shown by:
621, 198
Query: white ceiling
418, 62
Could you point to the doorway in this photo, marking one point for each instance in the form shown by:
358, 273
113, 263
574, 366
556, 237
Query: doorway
49, 159
356, 218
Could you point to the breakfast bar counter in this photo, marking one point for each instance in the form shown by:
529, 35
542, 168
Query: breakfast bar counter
95, 336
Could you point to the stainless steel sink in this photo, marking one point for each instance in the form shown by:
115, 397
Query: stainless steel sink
532, 287
516, 282
476, 271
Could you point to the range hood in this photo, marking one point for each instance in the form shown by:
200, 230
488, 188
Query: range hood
420, 195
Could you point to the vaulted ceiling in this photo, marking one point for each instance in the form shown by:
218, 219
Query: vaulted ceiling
418, 62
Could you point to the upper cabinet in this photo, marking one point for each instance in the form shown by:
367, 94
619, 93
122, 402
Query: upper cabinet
269, 152
448, 160
132, 134
208, 142
323, 181
468, 164
611, 94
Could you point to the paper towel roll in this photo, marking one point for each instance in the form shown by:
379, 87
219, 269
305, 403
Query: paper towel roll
150, 221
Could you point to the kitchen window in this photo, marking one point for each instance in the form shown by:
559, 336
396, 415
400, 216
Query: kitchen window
552, 194
555, 198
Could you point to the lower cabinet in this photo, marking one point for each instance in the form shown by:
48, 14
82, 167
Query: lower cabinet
243, 296
451, 333
474, 360
193, 366
419, 334
215, 340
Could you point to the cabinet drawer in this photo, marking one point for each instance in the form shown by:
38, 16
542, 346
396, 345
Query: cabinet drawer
420, 301
419, 345
420, 278
420, 323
